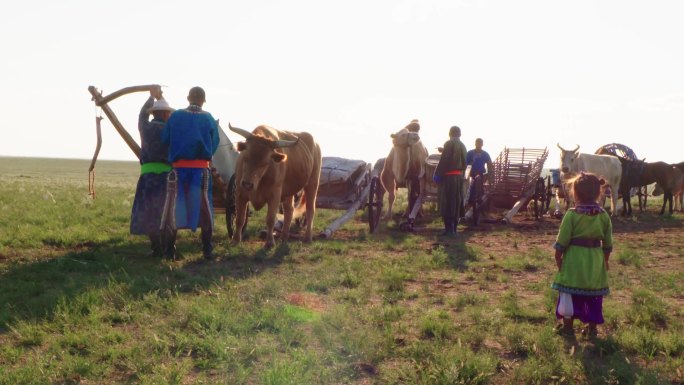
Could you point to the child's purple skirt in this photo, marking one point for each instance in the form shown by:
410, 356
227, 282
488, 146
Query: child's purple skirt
586, 308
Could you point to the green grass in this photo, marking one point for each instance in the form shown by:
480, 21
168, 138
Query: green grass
629, 257
81, 303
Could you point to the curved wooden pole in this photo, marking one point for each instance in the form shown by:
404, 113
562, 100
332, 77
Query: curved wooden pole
102, 103
124, 91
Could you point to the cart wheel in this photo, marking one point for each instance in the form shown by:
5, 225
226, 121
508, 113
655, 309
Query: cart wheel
539, 198
374, 203
231, 210
231, 214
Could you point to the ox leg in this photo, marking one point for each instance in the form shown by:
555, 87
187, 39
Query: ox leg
310, 195
288, 210
271, 212
241, 203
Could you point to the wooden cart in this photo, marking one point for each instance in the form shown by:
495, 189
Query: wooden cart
515, 179
350, 185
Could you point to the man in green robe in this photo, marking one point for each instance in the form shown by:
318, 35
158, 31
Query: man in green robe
449, 176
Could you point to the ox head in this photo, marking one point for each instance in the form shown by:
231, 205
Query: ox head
403, 143
258, 154
567, 159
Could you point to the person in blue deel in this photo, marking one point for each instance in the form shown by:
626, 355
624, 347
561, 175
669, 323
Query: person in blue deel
192, 137
154, 168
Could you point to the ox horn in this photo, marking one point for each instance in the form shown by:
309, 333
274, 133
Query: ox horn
559, 146
285, 143
246, 134
576, 148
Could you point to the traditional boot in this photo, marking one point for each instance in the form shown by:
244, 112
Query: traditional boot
448, 227
156, 244
207, 248
169, 244
454, 225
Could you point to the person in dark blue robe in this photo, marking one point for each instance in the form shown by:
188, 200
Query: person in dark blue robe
154, 168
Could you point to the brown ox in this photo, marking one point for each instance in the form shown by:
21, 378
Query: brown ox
404, 166
272, 167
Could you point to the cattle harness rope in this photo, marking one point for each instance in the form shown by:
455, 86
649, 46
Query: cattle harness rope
91, 169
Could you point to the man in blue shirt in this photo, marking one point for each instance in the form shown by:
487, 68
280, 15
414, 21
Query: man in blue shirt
192, 137
477, 159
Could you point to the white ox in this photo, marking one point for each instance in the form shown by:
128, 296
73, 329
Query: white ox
607, 167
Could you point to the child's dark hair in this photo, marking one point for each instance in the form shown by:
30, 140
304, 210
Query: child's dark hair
586, 187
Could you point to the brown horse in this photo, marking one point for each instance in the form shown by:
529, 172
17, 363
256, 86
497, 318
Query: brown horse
678, 194
643, 173
629, 171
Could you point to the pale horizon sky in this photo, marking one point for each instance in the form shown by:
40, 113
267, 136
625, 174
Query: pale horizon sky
518, 74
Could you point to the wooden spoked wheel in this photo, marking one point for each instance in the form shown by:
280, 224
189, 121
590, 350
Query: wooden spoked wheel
375, 203
231, 210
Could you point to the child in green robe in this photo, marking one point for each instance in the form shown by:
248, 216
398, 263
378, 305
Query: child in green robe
583, 247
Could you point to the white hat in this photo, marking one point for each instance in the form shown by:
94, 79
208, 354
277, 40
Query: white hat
160, 105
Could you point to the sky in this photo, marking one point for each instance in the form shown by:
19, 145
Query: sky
515, 73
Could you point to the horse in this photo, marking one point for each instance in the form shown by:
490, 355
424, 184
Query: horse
622, 151
678, 192
641, 173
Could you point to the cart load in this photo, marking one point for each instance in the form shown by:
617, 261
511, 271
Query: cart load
342, 182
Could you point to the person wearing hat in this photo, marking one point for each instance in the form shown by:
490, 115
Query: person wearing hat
154, 168
192, 137
449, 177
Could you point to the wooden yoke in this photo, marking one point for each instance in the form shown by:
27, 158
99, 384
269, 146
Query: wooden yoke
102, 103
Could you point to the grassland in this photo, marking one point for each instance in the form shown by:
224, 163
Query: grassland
81, 303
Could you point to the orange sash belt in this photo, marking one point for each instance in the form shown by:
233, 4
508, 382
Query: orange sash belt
191, 163
454, 172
